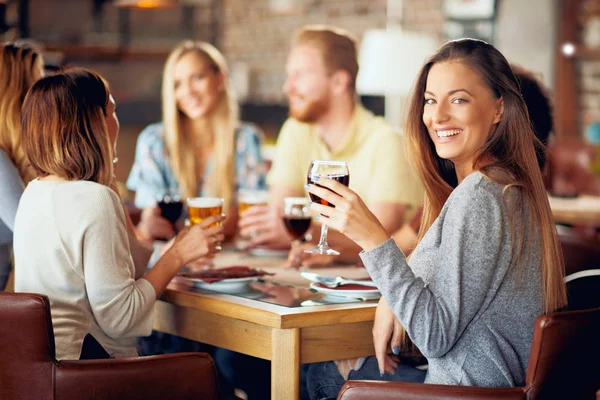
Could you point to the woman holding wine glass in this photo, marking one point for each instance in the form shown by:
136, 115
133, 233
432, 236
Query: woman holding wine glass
199, 149
335, 170
487, 262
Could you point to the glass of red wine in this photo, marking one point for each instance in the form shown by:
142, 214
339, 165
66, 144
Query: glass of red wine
338, 171
296, 217
170, 204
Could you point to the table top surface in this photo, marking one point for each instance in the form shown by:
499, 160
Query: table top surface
584, 210
281, 300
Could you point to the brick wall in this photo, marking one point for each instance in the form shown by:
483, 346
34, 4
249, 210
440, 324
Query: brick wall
255, 35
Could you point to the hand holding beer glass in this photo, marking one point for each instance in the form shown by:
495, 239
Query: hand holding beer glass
246, 200
335, 170
200, 208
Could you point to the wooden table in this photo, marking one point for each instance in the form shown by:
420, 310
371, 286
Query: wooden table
288, 336
582, 210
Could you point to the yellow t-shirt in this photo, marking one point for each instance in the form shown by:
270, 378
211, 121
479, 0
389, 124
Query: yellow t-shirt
375, 155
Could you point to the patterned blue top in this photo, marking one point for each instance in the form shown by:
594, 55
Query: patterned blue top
151, 174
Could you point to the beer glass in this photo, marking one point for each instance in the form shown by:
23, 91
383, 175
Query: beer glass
200, 208
338, 171
249, 198
296, 216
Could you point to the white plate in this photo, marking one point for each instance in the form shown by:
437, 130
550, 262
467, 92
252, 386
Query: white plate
357, 294
235, 285
260, 252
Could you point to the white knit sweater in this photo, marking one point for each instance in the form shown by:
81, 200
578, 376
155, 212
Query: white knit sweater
71, 244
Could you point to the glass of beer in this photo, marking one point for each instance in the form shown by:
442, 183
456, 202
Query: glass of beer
250, 198
338, 171
200, 208
296, 216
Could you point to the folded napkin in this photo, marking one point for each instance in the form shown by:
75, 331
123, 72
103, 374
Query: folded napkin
219, 274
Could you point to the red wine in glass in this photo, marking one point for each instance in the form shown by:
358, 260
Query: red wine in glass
338, 171
311, 179
171, 207
297, 226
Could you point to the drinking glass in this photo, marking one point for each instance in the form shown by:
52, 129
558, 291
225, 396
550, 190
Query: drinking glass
338, 171
170, 205
200, 208
250, 198
296, 216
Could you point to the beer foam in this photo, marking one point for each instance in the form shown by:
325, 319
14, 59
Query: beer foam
204, 202
253, 197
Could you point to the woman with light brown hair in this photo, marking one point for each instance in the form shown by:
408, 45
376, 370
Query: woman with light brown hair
20, 67
488, 260
72, 238
200, 148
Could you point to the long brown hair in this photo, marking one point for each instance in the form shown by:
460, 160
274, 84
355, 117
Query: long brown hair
64, 129
510, 146
20, 67
223, 123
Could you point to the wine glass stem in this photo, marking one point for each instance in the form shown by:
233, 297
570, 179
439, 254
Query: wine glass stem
323, 238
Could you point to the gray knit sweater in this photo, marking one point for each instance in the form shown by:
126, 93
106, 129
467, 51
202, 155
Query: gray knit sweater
462, 300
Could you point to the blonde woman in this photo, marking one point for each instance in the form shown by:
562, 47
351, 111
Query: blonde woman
200, 147
488, 260
20, 67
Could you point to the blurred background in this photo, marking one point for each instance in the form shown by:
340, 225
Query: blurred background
128, 41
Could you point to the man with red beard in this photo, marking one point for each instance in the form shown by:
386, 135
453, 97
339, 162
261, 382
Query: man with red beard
327, 122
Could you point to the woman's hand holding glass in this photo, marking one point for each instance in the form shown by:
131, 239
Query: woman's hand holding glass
162, 221
153, 226
200, 240
297, 219
349, 215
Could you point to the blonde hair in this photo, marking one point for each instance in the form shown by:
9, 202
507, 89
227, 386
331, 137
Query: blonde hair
64, 127
20, 67
223, 123
511, 147
337, 47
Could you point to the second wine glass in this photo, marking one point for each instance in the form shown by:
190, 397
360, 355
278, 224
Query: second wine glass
338, 171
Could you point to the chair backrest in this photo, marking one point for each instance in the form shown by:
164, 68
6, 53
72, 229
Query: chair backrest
26, 346
582, 270
29, 370
563, 363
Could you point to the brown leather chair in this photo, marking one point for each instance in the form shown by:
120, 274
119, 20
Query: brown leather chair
582, 270
29, 370
563, 364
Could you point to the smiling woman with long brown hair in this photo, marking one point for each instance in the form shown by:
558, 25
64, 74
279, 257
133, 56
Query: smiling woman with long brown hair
488, 261
20, 67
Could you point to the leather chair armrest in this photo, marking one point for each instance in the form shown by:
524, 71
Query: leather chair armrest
358, 390
170, 376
